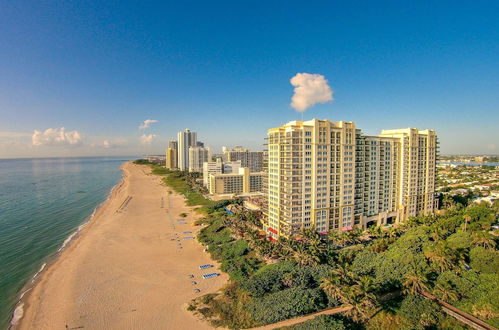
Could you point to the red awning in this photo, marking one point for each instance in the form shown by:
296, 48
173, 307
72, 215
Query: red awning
272, 230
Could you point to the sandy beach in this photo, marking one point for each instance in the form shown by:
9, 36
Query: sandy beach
129, 266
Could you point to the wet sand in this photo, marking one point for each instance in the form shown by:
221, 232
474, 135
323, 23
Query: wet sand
129, 266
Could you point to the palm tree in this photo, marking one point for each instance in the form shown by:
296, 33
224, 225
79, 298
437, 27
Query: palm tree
440, 256
436, 234
379, 245
332, 286
375, 231
415, 283
445, 293
305, 257
361, 300
333, 236
448, 201
467, 219
393, 232
483, 239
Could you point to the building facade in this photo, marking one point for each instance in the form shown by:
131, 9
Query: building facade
329, 176
211, 168
197, 157
185, 140
251, 159
241, 182
171, 155
418, 162
218, 167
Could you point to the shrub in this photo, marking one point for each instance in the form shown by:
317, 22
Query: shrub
286, 304
321, 322
459, 240
484, 260
240, 268
420, 312
268, 279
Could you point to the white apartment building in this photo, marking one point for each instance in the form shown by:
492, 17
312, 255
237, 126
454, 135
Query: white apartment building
251, 159
218, 167
197, 157
185, 140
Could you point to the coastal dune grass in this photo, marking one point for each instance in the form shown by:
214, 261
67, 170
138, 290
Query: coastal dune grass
178, 182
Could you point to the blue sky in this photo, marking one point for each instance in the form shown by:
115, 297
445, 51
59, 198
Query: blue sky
223, 69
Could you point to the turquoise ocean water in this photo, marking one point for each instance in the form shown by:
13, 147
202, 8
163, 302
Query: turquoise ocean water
42, 203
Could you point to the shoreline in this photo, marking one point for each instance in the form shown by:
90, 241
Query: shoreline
67, 287
51, 260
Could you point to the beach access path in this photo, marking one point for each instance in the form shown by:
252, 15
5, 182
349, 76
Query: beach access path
129, 267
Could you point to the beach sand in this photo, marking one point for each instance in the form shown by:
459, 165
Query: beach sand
124, 271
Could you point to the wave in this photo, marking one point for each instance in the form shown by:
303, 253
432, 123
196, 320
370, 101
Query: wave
36, 274
18, 314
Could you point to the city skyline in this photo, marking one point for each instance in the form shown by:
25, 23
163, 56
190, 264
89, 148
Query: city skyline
98, 79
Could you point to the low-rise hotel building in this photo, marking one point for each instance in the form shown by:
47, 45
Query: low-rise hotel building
241, 182
218, 167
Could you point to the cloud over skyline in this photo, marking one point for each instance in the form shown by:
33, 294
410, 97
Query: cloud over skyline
146, 139
147, 123
310, 89
56, 137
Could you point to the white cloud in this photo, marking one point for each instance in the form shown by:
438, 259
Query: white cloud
107, 144
147, 138
310, 89
147, 123
56, 137
112, 143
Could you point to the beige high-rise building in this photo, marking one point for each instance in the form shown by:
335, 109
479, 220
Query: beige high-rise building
417, 158
197, 157
329, 176
171, 155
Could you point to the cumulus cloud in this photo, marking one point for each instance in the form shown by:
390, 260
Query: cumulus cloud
310, 89
56, 137
147, 123
147, 138
107, 144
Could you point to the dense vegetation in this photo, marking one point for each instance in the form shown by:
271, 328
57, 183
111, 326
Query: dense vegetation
329, 322
381, 272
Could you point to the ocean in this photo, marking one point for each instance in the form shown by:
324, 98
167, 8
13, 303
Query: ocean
43, 202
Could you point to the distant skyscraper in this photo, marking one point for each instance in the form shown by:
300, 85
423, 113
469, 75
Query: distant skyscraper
326, 175
197, 157
185, 139
251, 159
171, 155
